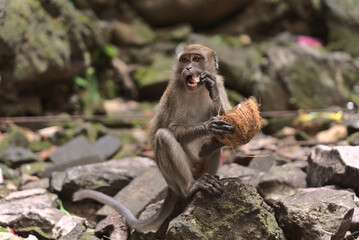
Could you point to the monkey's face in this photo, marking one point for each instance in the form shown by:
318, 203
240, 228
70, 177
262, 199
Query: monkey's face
191, 66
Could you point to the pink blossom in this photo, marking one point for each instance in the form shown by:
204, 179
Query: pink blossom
310, 41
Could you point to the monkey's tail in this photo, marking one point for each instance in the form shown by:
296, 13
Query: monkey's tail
144, 225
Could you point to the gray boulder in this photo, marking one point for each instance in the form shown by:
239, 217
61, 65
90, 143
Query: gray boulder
107, 146
78, 151
198, 13
334, 165
146, 188
42, 49
316, 213
240, 213
108, 177
16, 156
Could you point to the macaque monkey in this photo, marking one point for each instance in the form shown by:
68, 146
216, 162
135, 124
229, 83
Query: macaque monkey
181, 130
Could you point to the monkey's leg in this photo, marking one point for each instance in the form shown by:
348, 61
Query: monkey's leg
174, 165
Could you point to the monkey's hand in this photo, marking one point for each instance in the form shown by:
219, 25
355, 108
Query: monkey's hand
207, 183
210, 81
218, 127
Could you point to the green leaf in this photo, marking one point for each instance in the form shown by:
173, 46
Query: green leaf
111, 51
3, 229
81, 82
90, 71
62, 209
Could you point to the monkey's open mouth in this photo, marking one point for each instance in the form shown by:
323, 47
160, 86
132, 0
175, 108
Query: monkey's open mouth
192, 81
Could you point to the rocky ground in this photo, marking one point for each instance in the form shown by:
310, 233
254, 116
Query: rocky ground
284, 184
80, 80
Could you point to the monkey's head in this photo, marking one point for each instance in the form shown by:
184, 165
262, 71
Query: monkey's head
192, 61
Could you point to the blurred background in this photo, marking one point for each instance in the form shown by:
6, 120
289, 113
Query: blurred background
75, 56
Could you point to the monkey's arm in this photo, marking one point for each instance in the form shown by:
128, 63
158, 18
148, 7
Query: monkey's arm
188, 132
216, 91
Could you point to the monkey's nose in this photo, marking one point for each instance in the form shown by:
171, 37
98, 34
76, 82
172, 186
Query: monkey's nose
189, 67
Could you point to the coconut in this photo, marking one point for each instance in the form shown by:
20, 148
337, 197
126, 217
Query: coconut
246, 121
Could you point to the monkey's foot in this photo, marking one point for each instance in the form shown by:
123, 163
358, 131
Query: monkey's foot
207, 183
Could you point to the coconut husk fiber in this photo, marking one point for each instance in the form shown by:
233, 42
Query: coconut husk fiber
245, 119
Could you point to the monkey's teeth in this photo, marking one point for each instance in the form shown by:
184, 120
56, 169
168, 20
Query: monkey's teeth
196, 79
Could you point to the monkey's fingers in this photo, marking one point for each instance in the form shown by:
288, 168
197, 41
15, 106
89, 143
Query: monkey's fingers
209, 184
206, 74
220, 122
225, 129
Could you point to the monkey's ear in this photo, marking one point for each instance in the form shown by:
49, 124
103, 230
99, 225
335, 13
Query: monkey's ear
216, 61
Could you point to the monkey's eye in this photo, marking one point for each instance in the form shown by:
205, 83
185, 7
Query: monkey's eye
196, 58
184, 60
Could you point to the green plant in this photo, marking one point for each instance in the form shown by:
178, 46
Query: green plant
90, 82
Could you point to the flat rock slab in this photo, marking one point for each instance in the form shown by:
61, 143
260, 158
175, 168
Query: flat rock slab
16, 156
107, 146
143, 190
78, 151
240, 213
334, 165
316, 213
30, 211
108, 177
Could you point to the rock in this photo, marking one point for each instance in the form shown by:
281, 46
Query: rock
353, 139
41, 183
24, 194
69, 228
239, 213
343, 25
107, 146
234, 170
16, 156
136, 33
72, 129
10, 236
316, 213
259, 145
143, 190
333, 165
30, 211
263, 163
255, 19
279, 181
198, 13
34, 168
16, 138
333, 134
113, 226
152, 80
355, 220
76, 152
68, 42
352, 123
9, 173
108, 177
301, 66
